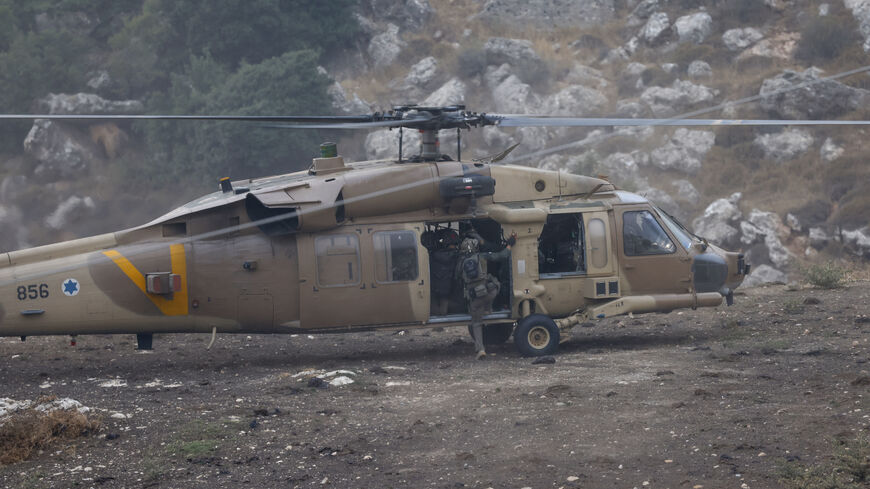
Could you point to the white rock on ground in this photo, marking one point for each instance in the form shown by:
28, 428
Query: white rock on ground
668, 101
423, 72
385, 144
385, 47
352, 105
858, 241
741, 38
766, 227
830, 151
86, 103
816, 99
694, 27
60, 152
684, 151
452, 92
547, 13
819, 238
861, 11
717, 221
575, 100
514, 51
764, 274
687, 192
515, 97
785, 145
779, 46
700, 69
655, 29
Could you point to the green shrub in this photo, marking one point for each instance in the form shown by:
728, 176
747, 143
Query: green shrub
825, 275
849, 468
824, 39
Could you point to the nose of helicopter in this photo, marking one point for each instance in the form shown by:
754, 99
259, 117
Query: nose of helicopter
719, 271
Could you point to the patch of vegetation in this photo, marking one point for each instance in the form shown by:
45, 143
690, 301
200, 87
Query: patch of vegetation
825, 275
825, 39
30, 430
848, 469
192, 449
793, 306
199, 438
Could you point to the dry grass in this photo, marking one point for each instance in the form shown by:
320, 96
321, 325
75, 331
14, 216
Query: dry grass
30, 430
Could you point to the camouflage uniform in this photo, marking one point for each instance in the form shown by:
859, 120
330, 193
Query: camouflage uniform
480, 291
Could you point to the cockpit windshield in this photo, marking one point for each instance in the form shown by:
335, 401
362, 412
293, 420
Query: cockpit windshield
683, 235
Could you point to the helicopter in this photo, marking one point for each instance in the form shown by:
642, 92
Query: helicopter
346, 247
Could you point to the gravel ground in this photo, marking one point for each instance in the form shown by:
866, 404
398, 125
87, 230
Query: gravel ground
713, 398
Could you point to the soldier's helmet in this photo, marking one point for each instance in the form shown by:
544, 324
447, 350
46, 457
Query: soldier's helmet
469, 245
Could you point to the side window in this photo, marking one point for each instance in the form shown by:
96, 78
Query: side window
395, 256
642, 235
561, 247
337, 260
598, 243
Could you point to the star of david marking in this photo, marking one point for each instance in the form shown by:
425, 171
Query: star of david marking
70, 287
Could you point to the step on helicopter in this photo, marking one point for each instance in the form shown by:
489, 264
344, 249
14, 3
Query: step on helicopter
344, 247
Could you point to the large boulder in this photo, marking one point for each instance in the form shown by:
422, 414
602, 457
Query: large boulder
700, 69
785, 145
858, 241
656, 28
861, 11
409, 14
69, 211
60, 152
694, 28
681, 95
686, 192
764, 274
780, 46
422, 73
518, 53
717, 223
584, 75
515, 97
451, 93
347, 104
547, 13
684, 151
575, 100
741, 38
86, 103
794, 95
766, 227
384, 144
385, 47
830, 150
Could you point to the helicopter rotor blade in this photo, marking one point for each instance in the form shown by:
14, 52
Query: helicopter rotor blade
250, 118
549, 121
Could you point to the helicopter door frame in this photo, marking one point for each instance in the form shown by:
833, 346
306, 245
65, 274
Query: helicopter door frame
653, 271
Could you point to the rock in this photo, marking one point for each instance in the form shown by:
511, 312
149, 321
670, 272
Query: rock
669, 67
451, 93
764, 274
385, 47
819, 238
621, 167
830, 151
99, 80
645, 9
766, 226
681, 95
700, 69
857, 241
656, 29
861, 11
512, 96
547, 13
630, 109
86, 103
385, 144
824, 9
496, 138
409, 14
694, 27
686, 191
785, 145
60, 152
584, 75
70, 210
634, 70
351, 105
780, 46
815, 99
716, 223
501, 50
684, 150
741, 38
576, 101
793, 222
533, 138
422, 73
13, 231
665, 201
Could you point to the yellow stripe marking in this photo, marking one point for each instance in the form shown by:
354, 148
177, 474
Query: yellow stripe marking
177, 306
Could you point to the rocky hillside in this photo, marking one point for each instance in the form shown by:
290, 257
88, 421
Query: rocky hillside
784, 194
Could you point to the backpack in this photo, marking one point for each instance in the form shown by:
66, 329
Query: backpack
471, 269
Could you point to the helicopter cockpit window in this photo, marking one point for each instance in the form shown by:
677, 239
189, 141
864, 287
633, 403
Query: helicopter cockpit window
337, 260
676, 228
395, 256
561, 248
642, 235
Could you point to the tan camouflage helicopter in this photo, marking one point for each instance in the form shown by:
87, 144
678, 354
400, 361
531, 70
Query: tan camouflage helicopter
347, 247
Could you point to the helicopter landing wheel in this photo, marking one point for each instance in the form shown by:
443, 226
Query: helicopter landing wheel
536, 335
495, 334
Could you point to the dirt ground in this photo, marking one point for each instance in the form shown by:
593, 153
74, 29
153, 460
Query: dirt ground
716, 398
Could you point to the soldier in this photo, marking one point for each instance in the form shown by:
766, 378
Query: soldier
480, 287
443, 267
